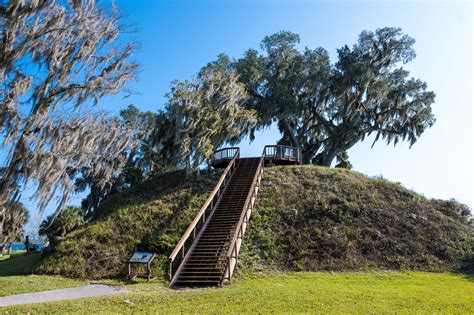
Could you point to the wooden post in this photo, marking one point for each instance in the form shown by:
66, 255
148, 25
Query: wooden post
170, 270
149, 271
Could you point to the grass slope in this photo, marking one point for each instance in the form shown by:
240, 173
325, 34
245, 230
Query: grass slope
314, 218
332, 293
151, 217
306, 218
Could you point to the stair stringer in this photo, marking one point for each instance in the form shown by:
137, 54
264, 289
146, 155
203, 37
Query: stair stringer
229, 270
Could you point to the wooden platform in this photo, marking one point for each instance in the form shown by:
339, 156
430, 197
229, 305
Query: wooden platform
273, 155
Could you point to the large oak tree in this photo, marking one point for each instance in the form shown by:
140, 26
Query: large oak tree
325, 108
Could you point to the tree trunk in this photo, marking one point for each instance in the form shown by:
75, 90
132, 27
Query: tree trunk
336, 148
309, 152
289, 131
306, 158
3, 243
188, 166
330, 156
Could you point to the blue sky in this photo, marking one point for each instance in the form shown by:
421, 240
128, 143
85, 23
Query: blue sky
178, 37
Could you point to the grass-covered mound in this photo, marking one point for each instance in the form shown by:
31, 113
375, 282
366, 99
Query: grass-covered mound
306, 218
314, 218
151, 216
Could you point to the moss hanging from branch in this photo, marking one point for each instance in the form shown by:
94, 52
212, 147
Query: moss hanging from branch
57, 60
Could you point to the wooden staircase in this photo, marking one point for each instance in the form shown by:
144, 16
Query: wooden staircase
207, 263
207, 253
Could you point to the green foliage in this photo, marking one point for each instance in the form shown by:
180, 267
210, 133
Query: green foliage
57, 226
142, 162
343, 161
326, 108
203, 114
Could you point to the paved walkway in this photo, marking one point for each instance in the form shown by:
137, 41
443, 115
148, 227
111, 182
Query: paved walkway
60, 294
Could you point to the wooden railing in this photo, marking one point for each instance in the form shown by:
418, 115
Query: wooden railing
236, 241
283, 152
185, 244
224, 155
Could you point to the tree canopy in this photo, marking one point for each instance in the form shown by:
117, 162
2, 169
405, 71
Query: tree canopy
57, 60
203, 114
325, 108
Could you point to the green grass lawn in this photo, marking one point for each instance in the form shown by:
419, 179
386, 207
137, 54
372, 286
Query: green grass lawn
372, 292
16, 276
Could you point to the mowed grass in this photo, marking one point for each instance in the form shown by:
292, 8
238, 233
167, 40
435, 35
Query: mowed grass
16, 276
372, 292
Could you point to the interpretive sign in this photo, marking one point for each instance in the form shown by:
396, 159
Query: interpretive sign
141, 258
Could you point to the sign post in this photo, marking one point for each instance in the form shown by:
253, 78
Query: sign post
143, 258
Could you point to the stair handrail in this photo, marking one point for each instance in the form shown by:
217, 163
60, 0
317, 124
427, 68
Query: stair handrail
216, 192
243, 217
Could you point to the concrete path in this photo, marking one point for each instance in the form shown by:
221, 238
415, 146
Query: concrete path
60, 294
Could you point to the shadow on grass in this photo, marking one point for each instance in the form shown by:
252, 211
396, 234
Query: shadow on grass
141, 280
127, 281
19, 264
469, 275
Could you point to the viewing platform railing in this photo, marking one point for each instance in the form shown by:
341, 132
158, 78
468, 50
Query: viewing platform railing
282, 153
223, 156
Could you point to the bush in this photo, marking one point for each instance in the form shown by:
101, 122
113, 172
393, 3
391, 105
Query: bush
56, 228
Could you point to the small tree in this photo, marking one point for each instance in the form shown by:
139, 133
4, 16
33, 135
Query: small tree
56, 229
12, 221
343, 161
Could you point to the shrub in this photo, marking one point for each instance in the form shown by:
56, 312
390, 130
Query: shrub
57, 227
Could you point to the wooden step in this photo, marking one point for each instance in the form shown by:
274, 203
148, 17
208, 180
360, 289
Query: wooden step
206, 263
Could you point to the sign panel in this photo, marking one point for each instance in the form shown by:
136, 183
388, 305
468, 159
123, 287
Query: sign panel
142, 257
